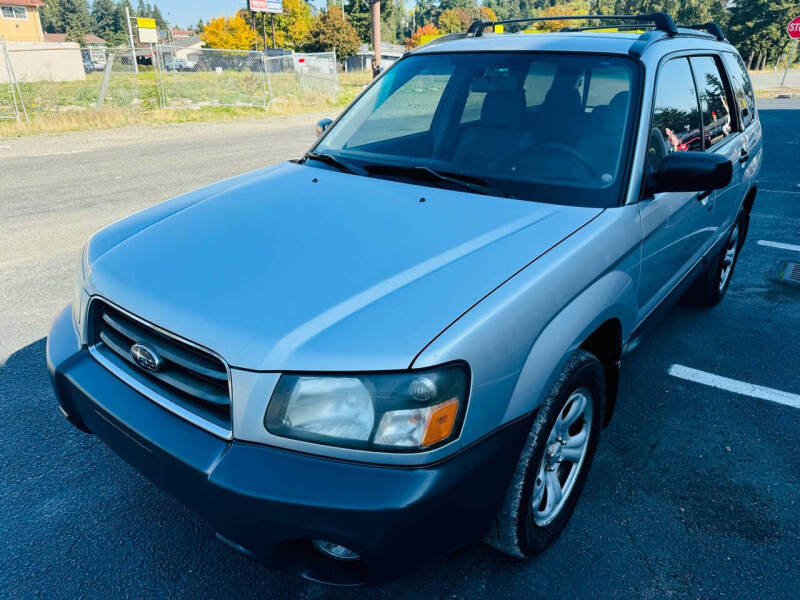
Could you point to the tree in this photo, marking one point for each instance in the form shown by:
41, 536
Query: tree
416, 39
293, 26
358, 15
331, 32
233, 33
104, 19
426, 11
161, 22
52, 21
76, 19
453, 20
456, 20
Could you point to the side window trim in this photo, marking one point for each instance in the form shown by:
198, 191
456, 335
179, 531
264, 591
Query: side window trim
652, 112
697, 99
728, 89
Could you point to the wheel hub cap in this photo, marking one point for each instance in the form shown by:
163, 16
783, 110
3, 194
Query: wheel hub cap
563, 458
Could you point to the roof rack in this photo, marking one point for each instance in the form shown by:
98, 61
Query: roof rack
658, 20
710, 27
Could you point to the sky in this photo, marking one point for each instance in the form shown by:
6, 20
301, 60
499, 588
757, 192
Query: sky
186, 13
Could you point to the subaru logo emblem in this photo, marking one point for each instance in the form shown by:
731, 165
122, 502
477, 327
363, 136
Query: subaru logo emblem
146, 358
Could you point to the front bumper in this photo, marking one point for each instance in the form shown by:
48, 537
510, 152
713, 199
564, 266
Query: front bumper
270, 502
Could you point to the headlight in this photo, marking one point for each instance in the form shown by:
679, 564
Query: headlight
394, 411
78, 278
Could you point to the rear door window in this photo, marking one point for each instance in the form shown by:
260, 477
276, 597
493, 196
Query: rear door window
714, 102
676, 117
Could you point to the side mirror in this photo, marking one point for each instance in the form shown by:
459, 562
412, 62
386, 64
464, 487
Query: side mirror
691, 172
322, 125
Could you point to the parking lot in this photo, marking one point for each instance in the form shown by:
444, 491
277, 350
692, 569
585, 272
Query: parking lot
694, 492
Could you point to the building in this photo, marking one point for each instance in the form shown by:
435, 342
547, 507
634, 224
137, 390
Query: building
89, 39
363, 59
20, 22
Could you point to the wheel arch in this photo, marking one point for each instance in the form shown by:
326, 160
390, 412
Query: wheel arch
598, 321
605, 343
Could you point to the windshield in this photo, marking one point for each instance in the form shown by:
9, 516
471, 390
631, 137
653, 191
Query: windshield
535, 126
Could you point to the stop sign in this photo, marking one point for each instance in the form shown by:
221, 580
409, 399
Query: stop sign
794, 28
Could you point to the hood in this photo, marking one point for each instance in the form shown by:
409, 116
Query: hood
300, 268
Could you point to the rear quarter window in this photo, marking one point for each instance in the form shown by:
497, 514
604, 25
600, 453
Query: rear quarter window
742, 88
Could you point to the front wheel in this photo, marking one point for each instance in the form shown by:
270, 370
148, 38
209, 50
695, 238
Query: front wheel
555, 460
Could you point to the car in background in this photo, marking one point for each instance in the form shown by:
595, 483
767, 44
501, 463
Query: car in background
177, 64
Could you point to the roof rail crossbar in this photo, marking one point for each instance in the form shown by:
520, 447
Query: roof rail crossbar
710, 27
659, 20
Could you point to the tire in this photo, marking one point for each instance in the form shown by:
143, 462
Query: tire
521, 529
710, 286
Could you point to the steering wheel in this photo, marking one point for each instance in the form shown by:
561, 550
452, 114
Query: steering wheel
558, 147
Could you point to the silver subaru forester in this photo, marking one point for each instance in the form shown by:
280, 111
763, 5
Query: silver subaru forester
410, 338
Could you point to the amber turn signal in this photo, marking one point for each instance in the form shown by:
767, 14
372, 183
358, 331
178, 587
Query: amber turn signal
441, 422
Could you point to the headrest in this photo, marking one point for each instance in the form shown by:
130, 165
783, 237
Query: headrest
503, 108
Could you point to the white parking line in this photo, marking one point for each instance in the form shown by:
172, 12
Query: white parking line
780, 245
735, 386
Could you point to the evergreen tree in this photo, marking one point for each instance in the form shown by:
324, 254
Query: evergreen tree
358, 15
161, 22
104, 19
51, 15
76, 19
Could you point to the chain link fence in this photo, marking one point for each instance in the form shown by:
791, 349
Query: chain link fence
70, 79
306, 78
63, 78
210, 77
214, 77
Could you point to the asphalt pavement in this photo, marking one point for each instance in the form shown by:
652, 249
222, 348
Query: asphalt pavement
694, 493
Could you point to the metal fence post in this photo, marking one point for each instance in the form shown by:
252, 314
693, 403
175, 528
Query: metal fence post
13, 84
264, 80
789, 63
106, 77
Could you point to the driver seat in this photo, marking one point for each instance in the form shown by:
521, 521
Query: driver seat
499, 130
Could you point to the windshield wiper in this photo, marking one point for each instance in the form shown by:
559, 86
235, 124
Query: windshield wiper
473, 184
330, 159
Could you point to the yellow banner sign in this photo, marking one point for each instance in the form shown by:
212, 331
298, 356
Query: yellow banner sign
144, 23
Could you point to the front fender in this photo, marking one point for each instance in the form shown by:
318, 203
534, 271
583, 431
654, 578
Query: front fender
610, 297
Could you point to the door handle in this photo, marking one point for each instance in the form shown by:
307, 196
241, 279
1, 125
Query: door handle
744, 156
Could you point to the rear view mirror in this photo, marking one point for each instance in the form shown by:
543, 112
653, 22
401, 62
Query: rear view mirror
322, 125
691, 172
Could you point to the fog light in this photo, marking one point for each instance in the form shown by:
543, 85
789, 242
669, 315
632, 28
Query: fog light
336, 551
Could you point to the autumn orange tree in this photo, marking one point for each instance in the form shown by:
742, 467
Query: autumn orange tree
233, 33
416, 38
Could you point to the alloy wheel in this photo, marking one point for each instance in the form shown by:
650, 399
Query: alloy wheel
567, 444
731, 248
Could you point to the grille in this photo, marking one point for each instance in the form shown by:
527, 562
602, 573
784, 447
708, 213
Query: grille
188, 377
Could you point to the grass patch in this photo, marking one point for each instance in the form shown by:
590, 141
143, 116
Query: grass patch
56, 107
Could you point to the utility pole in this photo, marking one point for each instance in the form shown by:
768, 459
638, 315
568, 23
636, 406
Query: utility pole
376, 37
130, 34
